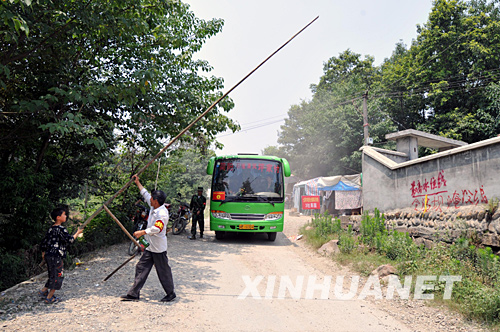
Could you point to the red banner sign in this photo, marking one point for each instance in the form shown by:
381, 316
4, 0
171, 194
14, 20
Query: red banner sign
310, 203
261, 167
218, 196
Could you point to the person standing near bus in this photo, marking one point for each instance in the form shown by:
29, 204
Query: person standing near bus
156, 252
197, 206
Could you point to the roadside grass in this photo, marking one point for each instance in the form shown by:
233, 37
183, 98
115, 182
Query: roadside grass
361, 261
476, 296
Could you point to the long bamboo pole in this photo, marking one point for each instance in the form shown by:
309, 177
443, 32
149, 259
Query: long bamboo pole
119, 267
190, 125
121, 226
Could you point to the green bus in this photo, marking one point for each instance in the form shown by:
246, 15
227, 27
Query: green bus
248, 194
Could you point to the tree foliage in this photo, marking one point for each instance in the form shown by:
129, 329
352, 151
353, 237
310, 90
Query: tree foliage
445, 83
322, 137
440, 84
182, 173
80, 80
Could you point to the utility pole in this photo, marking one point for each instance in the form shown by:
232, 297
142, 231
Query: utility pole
365, 118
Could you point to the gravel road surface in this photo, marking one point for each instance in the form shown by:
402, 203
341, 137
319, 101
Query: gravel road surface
218, 289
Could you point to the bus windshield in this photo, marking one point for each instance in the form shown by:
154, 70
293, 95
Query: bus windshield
248, 180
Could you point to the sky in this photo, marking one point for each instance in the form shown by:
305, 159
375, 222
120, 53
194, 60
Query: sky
253, 30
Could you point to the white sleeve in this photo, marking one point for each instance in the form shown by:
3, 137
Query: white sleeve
160, 222
147, 197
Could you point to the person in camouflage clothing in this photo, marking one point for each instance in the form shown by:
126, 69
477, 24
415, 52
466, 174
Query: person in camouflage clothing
197, 206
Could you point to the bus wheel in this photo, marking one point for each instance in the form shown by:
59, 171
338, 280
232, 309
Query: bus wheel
271, 236
219, 235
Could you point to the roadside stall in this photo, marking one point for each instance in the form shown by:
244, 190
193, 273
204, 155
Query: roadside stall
339, 195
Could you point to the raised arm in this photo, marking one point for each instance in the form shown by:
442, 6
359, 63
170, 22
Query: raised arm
135, 177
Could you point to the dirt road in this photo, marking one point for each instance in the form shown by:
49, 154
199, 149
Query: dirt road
218, 289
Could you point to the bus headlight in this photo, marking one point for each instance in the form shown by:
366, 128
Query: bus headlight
221, 215
273, 216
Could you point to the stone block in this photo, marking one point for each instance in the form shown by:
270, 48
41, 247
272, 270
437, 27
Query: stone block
421, 232
401, 229
329, 248
429, 244
491, 240
418, 241
481, 215
383, 271
345, 221
482, 226
497, 225
496, 215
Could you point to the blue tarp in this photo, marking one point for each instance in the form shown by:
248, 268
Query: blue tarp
340, 186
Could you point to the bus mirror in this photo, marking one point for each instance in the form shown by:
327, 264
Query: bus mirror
286, 167
210, 166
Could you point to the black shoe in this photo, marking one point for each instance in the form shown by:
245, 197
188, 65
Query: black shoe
129, 298
201, 236
192, 237
169, 297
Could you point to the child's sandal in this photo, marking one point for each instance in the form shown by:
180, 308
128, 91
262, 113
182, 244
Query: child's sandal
53, 299
43, 295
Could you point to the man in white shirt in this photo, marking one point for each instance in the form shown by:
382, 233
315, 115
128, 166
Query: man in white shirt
156, 253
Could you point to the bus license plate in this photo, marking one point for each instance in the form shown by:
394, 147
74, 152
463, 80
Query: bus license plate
246, 226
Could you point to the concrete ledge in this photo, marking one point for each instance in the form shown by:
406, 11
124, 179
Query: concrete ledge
373, 153
391, 152
426, 139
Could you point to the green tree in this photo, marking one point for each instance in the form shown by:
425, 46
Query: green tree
322, 137
81, 79
441, 82
184, 172
445, 83
272, 150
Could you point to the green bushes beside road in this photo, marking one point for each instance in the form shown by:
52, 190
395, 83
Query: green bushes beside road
477, 295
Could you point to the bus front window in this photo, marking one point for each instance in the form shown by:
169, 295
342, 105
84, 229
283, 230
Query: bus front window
249, 178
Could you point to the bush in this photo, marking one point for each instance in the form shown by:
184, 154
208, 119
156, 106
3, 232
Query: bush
373, 229
488, 265
477, 301
477, 295
399, 246
103, 231
325, 226
482, 262
12, 271
347, 241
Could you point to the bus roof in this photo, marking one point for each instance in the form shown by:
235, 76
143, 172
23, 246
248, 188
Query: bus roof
248, 156
286, 165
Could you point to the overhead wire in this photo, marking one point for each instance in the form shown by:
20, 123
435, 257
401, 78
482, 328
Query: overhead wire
422, 88
244, 129
452, 86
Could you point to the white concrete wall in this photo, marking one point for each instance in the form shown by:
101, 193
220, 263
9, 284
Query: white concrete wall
464, 176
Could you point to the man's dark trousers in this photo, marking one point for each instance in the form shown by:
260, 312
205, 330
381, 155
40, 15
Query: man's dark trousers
144, 266
201, 221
